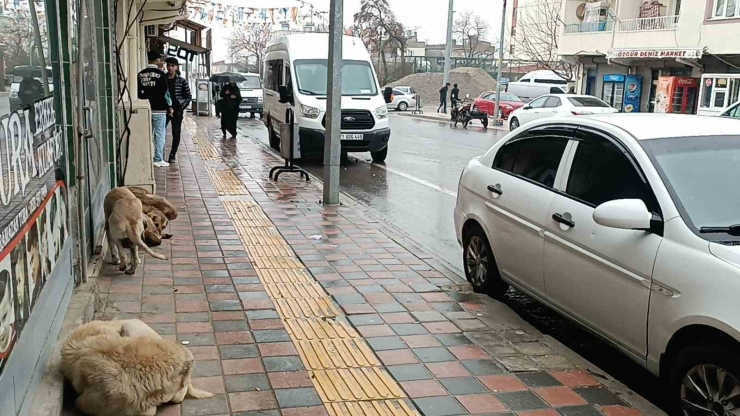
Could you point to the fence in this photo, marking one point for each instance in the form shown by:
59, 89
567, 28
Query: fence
648, 23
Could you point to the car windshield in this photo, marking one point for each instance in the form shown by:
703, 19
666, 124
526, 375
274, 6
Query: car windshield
700, 173
357, 77
251, 83
508, 97
587, 102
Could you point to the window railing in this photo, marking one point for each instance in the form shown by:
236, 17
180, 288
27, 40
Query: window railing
607, 26
648, 23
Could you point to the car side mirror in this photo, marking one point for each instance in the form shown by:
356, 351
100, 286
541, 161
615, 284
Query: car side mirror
624, 214
284, 94
527, 107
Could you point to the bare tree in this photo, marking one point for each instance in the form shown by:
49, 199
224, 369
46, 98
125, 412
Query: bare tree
538, 29
377, 26
471, 29
17, 38
250, 42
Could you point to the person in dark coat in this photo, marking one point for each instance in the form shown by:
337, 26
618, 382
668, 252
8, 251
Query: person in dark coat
231, 97
443, 98
454, 95
388, 95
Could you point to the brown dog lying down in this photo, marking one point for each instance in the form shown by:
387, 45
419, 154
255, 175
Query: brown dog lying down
124, 226
154, 223
125, 368
151, 201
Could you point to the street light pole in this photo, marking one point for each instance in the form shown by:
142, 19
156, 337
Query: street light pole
332, 141
448, 50
500, 64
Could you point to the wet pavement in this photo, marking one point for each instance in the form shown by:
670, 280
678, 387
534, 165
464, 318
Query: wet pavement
415, 188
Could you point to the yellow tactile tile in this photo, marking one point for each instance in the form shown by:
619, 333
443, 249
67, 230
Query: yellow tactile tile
268, 276
336, 353
207, 151
366, 383
305, 308
275, 262
300, 290
226, 182
371, 408
317, 329
269, 251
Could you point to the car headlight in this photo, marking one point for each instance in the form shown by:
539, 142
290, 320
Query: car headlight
259, 99
308, 112
381, 112
14, 94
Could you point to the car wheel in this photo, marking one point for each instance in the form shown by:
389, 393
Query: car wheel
704, 380
500, 114
274, 139
379, 156
403, 106
514, 124
480, 266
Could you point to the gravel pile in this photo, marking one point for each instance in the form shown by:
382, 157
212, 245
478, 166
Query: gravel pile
471, 81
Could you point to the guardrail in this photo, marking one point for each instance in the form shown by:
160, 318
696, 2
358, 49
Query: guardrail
607, 26
648, 23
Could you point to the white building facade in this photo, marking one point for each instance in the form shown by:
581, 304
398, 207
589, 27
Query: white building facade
678, 56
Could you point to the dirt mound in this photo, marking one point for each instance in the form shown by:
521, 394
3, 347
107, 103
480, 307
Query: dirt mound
471, 81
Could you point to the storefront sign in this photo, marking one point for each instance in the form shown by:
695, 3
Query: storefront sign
181, 53
692, 53
33, 213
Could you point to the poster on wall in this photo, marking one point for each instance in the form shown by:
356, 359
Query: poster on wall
33, 213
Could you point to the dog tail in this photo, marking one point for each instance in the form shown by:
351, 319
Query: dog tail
136, 239
198, 394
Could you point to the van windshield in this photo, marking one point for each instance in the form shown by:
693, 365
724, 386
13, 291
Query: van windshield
250, 83
357, 77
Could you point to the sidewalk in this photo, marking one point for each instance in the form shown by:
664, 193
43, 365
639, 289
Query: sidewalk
357, 322
430, 113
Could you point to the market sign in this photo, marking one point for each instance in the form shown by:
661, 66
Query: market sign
662, 53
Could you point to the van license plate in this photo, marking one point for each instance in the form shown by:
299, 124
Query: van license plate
248, 107
352, 137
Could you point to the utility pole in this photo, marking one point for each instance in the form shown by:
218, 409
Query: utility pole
500, 64
332, 141
448, 50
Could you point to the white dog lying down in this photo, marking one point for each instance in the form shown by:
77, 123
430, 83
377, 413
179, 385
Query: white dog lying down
125, 368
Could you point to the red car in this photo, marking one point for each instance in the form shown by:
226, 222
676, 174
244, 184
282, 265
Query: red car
509, 103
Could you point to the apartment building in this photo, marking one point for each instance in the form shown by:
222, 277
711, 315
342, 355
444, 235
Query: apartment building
655, 55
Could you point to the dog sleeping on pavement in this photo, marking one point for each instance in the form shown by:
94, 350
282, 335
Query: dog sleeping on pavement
125, 224
125, 368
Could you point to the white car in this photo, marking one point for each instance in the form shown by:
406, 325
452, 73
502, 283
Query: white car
629, 224
536, 83
553, 105
402, 100
733, 111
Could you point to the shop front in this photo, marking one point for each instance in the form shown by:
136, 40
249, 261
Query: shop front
677, 95
718, 92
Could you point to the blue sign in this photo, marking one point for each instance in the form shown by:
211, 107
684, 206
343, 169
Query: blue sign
632, 93
614, 78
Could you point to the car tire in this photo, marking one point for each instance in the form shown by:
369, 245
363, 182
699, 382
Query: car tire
380, 155
702, 363
402, 106
274, 139
480, 265
514, 124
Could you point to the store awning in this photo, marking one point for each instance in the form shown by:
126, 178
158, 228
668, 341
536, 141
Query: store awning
180, 44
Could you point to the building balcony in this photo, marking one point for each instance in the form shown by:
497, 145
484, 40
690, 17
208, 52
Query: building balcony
583, 27
648, 24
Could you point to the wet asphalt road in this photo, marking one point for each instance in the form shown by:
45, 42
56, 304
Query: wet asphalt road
415, 190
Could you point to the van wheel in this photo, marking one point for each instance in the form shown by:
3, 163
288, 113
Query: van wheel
481, 269
403, 106
274, 139
379, 156
703, 380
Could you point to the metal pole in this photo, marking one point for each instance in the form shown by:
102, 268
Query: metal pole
39, 47
500, 64
332, 142
448, 50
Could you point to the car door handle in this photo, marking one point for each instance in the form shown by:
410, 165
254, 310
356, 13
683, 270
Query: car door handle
496, 189
562, 220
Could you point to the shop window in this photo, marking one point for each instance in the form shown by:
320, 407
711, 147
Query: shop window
706, 99
724, 9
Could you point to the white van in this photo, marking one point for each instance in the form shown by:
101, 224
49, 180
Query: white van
537, 83
295, 77
252, 96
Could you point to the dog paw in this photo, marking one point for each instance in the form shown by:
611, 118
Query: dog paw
115, 261
131, 270
122, 267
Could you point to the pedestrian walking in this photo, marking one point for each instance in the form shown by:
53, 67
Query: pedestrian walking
181, 98
572, 90
454, 95
153, 87
231, 97
443, 98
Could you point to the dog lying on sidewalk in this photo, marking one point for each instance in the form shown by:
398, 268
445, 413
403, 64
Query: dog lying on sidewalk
125, 368
124, 225
151, 202
154, 223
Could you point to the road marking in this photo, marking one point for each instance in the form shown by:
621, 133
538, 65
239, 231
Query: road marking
417, 180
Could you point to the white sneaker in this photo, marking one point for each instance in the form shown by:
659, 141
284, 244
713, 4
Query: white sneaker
161, 164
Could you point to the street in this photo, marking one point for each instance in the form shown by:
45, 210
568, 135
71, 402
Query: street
415, 190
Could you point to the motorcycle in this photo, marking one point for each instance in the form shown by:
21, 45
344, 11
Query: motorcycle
461, 113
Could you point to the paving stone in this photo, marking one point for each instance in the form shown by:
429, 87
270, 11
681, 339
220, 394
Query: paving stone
306, 411
282, 364
242, 366
225, 305
252, 401
349, 299
230, 326
575, 378
538, 379
385, 343
521, 401
262, 314
588, 410
446, 307
302, 397
290, 380
369, 319
433, 355
600, 396
463, 385
423, 388
216, 405
197, 339
273, 335
439, 406
230, 352
553, 362
396, 357
428, 316
207, 368
503, 383
409, 372
560, 396
246, 382
448, 369
409, 329
193, 317
453, 340
481, 403
421, 341
259, 413
482, 367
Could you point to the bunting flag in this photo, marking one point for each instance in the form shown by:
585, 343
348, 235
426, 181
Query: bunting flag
212, 12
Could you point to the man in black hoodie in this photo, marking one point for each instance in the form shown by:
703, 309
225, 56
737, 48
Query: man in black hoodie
443, 98
181, 98
153, 87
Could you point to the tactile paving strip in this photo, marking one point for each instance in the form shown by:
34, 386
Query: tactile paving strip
364, 383
336, 353
226, 182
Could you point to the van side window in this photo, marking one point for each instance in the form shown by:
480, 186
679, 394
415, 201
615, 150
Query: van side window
271, 75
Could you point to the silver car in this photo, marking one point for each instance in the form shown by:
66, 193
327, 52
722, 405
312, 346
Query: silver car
403, 99
629, 224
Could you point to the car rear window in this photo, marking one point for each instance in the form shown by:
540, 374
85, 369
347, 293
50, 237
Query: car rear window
587, 102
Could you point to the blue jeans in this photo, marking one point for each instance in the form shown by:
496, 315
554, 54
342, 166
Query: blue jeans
159, 127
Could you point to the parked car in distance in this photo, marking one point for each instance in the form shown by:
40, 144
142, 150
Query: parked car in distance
553, 105
733, 111
606, 217
537, 83
402, 100
486, 102
406, 90
252, 95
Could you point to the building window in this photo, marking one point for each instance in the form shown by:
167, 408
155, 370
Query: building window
724, 9
513, 30
511, 49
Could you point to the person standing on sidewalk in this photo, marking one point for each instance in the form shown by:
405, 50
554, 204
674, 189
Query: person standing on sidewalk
181, 98
443, 98
231, 97
454, 96
153, 87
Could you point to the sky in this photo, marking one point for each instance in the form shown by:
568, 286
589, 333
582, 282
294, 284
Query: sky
428, 17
